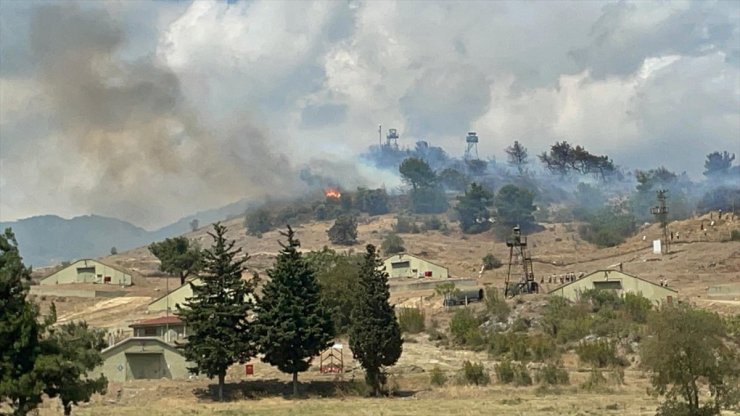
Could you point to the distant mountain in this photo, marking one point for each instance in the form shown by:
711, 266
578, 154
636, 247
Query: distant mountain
48, 239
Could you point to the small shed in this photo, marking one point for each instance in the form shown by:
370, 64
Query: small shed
145, 358
88, 271
617, 281
406, 265
174, 298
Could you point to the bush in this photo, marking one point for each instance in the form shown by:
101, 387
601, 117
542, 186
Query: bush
542, 347
464, 328
344, 230
637, 307
406, 225
392, 244
600, 353
735, 235
521, 375
552, 374
411, 320
434, 223
607, 227
437, 377
258, 222
496, 306
474, 373
504, 372
595, 380
490, 262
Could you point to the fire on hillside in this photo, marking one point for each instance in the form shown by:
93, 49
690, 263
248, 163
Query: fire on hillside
332, 193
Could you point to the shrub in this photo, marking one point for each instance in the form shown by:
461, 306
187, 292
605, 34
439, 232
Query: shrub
735, 235
474, 373
542, 347
607, 227
552, 374
490, 262
392, 244
258, 222
113, 251
434, 223
504, 372
595, 380
344, 230
405, 225
600, 353
437, 377
464, 328
520, 325
496, 306
637, 307
411, 320
521, 375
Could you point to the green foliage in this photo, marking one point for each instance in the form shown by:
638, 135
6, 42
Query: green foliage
637, 307
599, 353
689, 352
405, 225
454, 180
344, 230
517, 157
595, 380
428, 200
417, 173
472, 209
542, 347
464, 328
69, 353
178, 257
474, 373
496, 305
514, 206
375, 334
258, 222
337, 275
735, 235
372, 201
491, 262
446, 288
607, 227
437, 377
19, 331
435, 223
113, 251
552, 374
294, 324
504, 371
411, 320
718, 164
392, 244
589, 199
564, 159
725, 198
220, 331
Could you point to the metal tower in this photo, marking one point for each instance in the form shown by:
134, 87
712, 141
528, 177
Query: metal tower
518, 255
471, 151
391, 139
661, 215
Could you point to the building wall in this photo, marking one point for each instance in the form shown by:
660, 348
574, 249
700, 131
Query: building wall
176, 297
151, 359
87, 271
655, 293
169, 333
416, 267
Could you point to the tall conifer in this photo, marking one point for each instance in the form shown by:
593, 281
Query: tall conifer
375, 336
220, 328
294, 324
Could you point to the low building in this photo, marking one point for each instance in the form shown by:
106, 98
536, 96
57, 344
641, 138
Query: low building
618, 281
406, 265
167, 328
88, 271
174, 298
140, 358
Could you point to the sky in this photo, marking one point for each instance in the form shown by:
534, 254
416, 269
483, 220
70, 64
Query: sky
150, 111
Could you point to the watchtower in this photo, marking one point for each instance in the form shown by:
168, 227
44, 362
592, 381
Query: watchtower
471, 149
519, 257
391, 139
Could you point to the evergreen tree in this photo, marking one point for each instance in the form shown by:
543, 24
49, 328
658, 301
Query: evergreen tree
375, 336
19, 331
344, 230
294, 324
69, 353
178, 257
218, 315
472, 208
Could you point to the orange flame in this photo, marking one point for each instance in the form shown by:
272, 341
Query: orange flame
332, 193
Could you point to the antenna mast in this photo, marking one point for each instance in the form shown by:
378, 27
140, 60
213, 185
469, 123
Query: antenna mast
661, 215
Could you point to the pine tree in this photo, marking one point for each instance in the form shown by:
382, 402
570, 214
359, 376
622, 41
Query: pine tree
375, 336
19, 331
218, 315
295, 325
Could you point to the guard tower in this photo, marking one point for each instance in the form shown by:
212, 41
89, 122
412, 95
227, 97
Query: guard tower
391, 139
661, 215
471, 150
519, 257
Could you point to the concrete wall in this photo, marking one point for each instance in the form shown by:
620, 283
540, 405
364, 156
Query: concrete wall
176, 297
168, 333
416, 267
655, 293
729, 291
431, 284
164, 361
87, 271
76, 293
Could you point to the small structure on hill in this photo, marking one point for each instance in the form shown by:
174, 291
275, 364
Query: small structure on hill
169, 301
167, 328
519, 257
140, 358
463, 297
618, 281
88, 271
406, 265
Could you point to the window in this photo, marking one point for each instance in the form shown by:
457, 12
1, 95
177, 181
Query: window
150, 332
400, 265
608, 285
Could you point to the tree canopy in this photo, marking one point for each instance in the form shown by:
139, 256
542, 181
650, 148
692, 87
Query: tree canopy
718, 164
344, 230
221, 331
564, 159
473, 209
514, 206
178, 257
337, 274
417, 173
294, 324
258, 222
517, 157
375, 336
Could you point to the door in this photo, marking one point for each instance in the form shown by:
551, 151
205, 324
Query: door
145, 366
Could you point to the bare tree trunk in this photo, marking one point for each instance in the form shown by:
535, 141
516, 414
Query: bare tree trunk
67, 409
295, 383
221, 386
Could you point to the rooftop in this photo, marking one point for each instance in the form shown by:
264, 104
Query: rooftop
162, 320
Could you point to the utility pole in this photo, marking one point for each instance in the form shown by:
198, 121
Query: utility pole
661, 215
380, 135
